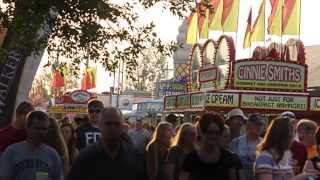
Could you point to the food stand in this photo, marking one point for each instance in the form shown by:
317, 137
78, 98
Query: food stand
273, 80
71, 104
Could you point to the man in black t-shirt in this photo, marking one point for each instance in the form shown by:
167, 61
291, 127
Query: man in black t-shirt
111, 158
89, 132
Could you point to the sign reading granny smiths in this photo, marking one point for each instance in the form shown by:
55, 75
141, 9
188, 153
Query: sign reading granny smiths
269, 75
222, 99
279, 102
183, 101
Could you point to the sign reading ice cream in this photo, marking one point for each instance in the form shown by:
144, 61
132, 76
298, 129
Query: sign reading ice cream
269, 75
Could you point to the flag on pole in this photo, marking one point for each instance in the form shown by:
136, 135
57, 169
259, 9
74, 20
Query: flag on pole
57, 80
247, 41
258, 30
275, 18
204, 33
215, 23
92, 71
291, 17
88, 80
201, 15
230, 13
192, 29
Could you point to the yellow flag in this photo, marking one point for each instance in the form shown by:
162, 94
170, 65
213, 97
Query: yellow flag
192, 29
92, 72
275, 18
217, 18
291, 19
205, 26
258, 30
230, 15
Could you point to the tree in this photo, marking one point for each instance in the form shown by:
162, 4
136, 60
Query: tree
150, 69
99, 30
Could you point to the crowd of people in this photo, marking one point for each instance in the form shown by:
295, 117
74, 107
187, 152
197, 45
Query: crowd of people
105, 146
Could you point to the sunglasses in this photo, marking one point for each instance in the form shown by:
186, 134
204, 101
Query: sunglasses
97, 111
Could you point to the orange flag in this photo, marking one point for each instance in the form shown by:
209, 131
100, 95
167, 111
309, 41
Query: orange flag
275, 18
230, 13
291, 17
58, 80
247, 40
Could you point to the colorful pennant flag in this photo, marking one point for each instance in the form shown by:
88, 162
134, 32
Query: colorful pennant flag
230, 14
89, 78
215, 23
57, 80
247, 41
291, 17
192, 29
201, 15
258, 30
275, 18
205, 26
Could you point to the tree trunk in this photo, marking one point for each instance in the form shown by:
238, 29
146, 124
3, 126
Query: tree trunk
11, 69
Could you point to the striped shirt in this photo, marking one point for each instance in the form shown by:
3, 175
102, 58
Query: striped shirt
266, 164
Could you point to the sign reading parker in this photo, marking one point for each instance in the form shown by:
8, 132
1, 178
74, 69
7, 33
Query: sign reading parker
278, 102
269, 75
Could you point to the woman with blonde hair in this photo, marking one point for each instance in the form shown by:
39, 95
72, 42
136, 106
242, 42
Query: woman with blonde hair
157, 151
183, 144
274, 160
55, 140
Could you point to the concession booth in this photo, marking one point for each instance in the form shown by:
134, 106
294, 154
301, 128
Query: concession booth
71, 104
273, 80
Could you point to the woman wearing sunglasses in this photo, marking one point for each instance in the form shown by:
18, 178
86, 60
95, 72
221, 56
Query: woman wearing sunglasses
209, 161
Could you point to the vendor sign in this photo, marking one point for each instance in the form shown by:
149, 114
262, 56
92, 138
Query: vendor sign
269, 75
170, 102
315, 103
68, 109
280, 102
222, 99
197, 100
183, 101
208, 74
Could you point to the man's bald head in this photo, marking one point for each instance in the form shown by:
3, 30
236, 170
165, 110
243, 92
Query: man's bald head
110, 124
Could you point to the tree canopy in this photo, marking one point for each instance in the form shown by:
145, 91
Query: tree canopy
100, 30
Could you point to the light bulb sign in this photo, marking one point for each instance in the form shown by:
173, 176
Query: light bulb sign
269, 75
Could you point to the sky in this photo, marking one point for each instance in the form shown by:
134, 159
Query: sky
167, 27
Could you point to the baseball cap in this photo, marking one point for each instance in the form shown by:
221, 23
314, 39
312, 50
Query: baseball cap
236, 112
288, 114
256, 119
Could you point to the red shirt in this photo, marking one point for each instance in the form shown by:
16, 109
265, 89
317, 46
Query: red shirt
11, 135
299, 153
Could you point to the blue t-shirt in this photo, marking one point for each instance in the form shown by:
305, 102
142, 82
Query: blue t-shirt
19, 163
246, 152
